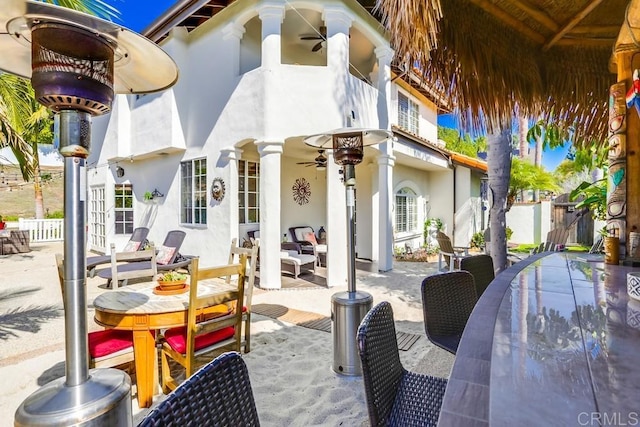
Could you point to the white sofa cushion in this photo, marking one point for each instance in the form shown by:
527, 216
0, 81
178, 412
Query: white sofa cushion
301, 233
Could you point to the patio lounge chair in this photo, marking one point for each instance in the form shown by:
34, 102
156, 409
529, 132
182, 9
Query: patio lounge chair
556, 241
219, 394
447, 302
168, 258
395, 396
293, 260
136, 242
306, 238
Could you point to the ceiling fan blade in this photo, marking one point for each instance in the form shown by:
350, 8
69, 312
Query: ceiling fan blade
311, 37
317, 47
306, 163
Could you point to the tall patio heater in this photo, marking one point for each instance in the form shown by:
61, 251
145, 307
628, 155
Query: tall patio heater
76, 63
348, 308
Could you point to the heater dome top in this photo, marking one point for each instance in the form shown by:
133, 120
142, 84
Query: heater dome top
140, 66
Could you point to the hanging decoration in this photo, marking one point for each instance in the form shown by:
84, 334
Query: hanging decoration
633, 94
218, 189
301, 191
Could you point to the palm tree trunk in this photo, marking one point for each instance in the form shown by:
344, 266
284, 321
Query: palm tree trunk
538, 163
523, 127
499, 162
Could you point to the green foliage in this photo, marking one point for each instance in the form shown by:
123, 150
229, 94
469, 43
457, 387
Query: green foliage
9, 218
477, 240
454, 141
594, 197
509, 232
56, 215
553, 134
527, 176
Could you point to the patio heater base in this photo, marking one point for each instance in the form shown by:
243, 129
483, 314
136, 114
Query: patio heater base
347, 311
103, 400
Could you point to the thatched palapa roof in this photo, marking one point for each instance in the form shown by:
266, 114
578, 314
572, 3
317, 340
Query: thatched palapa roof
545, 56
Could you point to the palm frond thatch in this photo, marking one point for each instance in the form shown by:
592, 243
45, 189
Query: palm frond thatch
489, 62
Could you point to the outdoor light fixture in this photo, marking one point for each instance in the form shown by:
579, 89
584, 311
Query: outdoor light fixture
348, 308
76, 64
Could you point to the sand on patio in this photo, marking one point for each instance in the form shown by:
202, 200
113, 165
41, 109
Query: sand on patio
290, 366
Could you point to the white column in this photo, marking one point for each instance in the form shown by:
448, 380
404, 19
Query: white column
232, 156
384, 55
232, 34
272, 15
336, 226
385, 189
338, 22
270, 169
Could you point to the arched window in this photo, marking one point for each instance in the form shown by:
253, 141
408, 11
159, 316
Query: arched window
406, 210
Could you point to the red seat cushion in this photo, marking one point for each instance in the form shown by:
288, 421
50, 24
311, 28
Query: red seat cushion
104, 343
177, 338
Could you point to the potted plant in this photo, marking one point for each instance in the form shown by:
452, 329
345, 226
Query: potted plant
171, 280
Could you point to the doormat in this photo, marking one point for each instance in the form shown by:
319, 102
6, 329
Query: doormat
316, 321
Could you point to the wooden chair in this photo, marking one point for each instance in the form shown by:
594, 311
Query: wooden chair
252, 257
120, 276
395, 396
481, 268
205, 334
556, 241
109, 348
447, 302
451, 254
219, 394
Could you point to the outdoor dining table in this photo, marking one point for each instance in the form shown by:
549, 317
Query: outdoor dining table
554, 340
139, 309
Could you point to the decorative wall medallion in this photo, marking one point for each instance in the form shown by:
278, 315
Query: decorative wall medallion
301, 191
217, 189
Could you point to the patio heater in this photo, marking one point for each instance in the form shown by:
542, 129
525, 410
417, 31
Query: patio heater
76, 63
348, 308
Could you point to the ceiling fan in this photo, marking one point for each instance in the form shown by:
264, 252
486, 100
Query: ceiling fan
322, 36
319, 162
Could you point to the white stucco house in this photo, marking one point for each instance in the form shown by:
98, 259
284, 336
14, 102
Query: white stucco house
256, 77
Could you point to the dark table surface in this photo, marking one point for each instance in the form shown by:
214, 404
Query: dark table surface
554, 340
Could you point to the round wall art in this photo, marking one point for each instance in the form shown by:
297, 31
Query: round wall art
301, 191
217, 189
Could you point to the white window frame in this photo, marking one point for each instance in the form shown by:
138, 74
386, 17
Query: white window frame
408, 114
248, 199
193, 192
123, 193
406, 211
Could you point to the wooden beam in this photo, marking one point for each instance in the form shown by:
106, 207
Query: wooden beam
572, 23
536, 14
503, 16
595, 29
588, 42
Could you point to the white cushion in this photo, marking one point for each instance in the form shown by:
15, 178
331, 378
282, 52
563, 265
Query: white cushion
301, 232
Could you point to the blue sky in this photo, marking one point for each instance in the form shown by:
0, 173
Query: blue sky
550, 158
137, 14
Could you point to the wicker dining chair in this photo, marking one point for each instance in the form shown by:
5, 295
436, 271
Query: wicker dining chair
447, 302
395, 396
481, 268
219, 394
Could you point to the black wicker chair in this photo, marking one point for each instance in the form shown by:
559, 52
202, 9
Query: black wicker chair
219, 394
395, 396
447, 302
481, 268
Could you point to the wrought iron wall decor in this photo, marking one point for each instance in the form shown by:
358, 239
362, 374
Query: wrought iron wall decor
301, 191
218, 189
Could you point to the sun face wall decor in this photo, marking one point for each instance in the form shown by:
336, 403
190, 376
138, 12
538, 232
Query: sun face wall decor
217, 189
301, 191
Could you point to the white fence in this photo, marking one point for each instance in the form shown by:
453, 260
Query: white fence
43, 230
